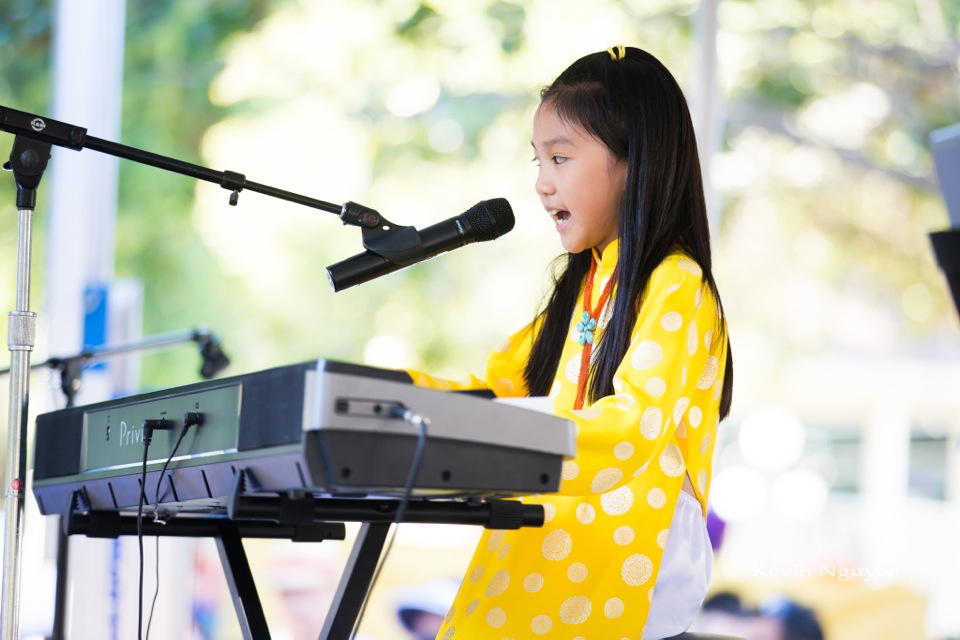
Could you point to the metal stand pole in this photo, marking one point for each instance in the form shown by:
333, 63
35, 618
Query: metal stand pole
28, 159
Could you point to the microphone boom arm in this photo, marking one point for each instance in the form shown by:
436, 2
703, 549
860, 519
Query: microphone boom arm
398, 244
76, 138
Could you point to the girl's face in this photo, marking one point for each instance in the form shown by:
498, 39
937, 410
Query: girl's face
580, 183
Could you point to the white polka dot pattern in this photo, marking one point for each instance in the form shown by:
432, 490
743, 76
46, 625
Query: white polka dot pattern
709, 375
646, 355
623, 451
671, 461
577, 572
656, 498
655, 386
503, 387
636, 570
572, 369
496, 617
618, 502
592, 566
586, 513
662, 538
613, 608
549, 512
533, 582
694, 416
606, 479
496, 539
671, 321
557, 545
651, 422
680, 408
624, 401
504, 347
693, 338
618, 383
541, 624
623, 535
588, 413
689, 266
575, 610
681, 431
498, 584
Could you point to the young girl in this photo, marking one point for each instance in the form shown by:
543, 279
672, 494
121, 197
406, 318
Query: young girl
632, 346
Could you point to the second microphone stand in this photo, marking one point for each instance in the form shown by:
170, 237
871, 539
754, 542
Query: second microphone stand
214, 360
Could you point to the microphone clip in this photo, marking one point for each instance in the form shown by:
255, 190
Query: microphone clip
399, 244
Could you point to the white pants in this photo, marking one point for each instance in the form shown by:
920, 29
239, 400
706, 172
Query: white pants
684, 575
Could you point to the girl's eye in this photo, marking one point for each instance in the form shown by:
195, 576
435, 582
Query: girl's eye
558, 159
535, 161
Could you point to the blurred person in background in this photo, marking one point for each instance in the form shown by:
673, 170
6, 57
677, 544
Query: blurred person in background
777, 618
422, 607
305, 584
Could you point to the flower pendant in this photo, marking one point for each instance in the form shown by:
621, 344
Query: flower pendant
586, 327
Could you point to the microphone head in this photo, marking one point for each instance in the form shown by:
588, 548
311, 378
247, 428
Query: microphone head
490, 219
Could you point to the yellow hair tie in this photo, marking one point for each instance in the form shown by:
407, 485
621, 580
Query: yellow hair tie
617, 53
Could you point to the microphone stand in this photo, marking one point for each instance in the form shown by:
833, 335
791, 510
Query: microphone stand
34, 136
214, 360
28, 159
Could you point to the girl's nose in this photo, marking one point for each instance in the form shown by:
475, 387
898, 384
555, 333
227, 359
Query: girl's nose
543, 185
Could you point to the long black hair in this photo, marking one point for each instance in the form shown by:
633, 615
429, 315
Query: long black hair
635, 107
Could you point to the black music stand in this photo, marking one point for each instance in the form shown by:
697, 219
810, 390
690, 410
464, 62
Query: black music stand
945, 149
946, 248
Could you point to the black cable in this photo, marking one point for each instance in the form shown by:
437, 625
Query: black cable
143, 484
163, 470
148, 427
156, 518
156, 589
421, 422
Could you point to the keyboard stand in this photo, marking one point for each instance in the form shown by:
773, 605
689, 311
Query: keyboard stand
300, 518
227, 533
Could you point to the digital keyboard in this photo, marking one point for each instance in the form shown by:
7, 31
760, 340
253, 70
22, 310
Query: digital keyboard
322, 427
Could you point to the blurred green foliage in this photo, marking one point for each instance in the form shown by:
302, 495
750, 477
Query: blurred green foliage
824, 176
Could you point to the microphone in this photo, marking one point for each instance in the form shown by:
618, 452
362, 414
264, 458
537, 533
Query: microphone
486, 220
214, 359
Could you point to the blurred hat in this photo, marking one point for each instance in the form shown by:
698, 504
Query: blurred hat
434, 597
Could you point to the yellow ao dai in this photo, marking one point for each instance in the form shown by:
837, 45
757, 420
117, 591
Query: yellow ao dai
589, 572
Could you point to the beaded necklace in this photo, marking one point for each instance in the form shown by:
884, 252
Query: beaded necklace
586, 328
